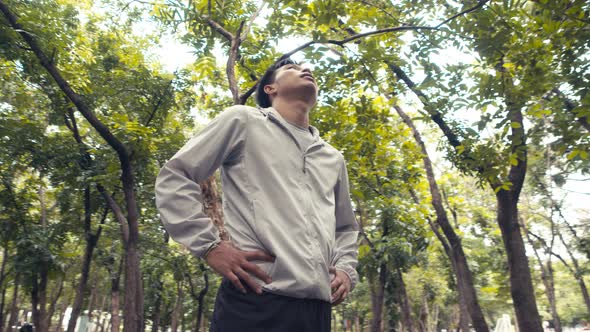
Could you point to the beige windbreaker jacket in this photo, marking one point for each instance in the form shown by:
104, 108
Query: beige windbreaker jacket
277, 198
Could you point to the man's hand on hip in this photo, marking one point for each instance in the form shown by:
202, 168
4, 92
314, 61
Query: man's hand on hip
340, 286
234, 264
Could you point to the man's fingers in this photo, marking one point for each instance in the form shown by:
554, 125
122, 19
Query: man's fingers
246, 278
336, 283
236, 281
258, 272
341, 299
258, 255
338, 293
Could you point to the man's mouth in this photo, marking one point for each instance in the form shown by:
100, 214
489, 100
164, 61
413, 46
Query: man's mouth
308, 76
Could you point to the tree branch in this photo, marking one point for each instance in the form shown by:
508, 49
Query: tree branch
246, 31
104, 132
119, 215
480, 4
217, 27
570, 106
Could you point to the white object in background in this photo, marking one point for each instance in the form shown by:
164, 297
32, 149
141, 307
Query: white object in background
503, 324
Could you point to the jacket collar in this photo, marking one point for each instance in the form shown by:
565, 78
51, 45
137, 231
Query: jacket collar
276, 116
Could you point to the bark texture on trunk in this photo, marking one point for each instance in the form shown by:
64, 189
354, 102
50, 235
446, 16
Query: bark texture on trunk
404, 301
14, 306
116, 299
521, 285
377, 298
91, 242
39, 297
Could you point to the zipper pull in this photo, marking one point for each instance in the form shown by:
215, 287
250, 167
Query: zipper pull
304, 163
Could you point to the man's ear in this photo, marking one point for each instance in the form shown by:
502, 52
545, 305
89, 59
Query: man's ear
269, 89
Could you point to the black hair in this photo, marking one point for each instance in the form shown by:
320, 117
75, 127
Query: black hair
262, 98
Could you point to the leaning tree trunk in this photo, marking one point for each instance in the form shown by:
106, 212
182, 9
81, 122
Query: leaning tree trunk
465, 284
91, 242
546, 276
577, 272
507, 215
53, 304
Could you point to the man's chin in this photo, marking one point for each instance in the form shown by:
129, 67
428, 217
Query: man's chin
306, 92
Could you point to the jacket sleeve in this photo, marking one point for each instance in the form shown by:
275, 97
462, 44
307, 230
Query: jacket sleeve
178, 194
347, 230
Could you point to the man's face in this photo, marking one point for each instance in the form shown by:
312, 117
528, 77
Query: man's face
295, 81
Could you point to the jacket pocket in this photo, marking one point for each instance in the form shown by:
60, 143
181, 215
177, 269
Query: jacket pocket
260, 228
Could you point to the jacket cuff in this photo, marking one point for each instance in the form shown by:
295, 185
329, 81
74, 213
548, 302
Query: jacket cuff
351, 273
203, 254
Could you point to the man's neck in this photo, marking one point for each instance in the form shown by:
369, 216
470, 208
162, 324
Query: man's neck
294, 111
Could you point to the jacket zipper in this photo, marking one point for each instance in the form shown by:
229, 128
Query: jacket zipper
304, 154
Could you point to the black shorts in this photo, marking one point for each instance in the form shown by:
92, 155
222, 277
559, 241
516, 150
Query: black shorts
250, 312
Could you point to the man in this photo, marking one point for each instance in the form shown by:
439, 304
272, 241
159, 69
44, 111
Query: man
292, 252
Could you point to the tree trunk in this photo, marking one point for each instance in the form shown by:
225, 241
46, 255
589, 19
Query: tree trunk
377, 299
547, 277
463, 274
521, 285
62, 313
551, 297
91, 241
198, 297
14, 306
92, 299
177, 309
3, 286
157, 308
520, 279
133, 311
53, 303
201, 297
423, 321
39, 298
578, 274
115, 299
100, 317
212, 205
404, 303
584, 292
463, 315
